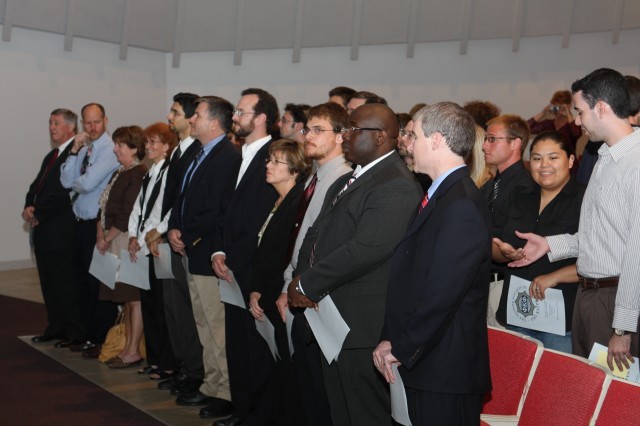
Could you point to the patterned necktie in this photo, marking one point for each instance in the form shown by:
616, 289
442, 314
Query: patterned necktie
352, 179
85, 160
302, 209
494, 192
423, 203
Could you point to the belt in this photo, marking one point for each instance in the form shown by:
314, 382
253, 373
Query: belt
496, 276
590, 283
80, 220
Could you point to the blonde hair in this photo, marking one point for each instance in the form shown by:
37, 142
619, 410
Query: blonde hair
479, 171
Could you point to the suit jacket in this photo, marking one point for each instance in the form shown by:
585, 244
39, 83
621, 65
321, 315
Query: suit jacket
205, 200
250, 205
56, 221
122, 195
354, 240
175, 175
271, 257
438, 292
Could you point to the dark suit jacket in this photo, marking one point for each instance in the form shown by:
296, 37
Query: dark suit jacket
354, 239
56, 221
271, 257
175, 175
122, 195
250, 205
205, 200
438, 291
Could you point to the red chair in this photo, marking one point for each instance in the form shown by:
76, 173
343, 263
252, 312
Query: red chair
621, 405
513, 358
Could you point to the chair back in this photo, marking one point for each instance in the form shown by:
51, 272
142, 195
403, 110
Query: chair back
621, 405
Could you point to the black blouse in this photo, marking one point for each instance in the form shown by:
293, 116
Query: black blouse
560, 216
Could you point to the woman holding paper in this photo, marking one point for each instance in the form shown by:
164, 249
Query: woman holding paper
551, 207
286, 170
116, 203
160, 141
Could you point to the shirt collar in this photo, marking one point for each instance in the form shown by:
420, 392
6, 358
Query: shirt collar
63, 146
329, 166
620, 149
436, 183
359, 171
251, 149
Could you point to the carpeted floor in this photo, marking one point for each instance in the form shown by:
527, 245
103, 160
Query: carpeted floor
36, 390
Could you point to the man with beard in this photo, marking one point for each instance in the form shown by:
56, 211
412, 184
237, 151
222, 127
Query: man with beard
293, 121
253, 199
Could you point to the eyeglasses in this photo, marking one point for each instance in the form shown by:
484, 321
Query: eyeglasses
240, 113
274, 161
493, 139
314, 130
348, 131
409, 135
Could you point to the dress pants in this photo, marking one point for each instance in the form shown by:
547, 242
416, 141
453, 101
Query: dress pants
64, 314
307, 361
99, 316
159, 351
181, 325
431, 408
357, 393
208, 312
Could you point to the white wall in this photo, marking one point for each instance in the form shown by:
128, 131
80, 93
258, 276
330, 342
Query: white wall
36, 75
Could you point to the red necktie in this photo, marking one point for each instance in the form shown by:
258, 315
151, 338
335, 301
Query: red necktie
52, 161
423, 203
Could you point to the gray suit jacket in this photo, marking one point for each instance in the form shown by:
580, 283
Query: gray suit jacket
352, 241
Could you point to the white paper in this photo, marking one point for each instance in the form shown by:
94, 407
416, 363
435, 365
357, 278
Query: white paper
289, 323
328, 327
162, 263
230, 292
599, 356
399, 408
134, 273
104, 268
266, 330
545, 315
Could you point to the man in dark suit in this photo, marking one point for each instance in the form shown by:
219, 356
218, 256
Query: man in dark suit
435, 324
346, 255
48, 212
254, 117
205, 190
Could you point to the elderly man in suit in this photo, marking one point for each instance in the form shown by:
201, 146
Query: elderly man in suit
346, 255
48, 212
435, 324
204, 192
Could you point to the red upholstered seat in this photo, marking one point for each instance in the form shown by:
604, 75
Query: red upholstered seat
621, 405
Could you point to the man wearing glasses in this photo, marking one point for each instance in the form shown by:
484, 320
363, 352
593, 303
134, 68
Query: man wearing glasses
345, 255
504, 143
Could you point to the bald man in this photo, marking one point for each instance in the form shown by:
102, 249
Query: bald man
346, 253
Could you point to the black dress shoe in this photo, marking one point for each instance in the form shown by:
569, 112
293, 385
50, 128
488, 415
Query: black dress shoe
42, 338
79, 346
167, 384
193, 399
230, 421
217, 408
92, 352
188, 386
66, 343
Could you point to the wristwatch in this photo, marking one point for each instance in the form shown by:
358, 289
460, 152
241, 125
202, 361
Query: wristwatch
620, 332
298, 289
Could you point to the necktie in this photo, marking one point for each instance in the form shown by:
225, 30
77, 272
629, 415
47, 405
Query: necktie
187, 180
50, 164
85, 160
145, 184
175, 157
302, 209
423, 203
494, 193
349, 182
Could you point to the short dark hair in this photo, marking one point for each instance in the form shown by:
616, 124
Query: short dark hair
219, 109
345, 93
403, 119
164, 133
298, 112
369, 97
450, 120
68, 116
187, 101
337, 115
95, 104
482, 111
266, 105
633, 84
294, 155
605, 85
555, 136
133, 137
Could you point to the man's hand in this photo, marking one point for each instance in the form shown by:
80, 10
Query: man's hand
619, 351
175, 241
254, 306
383, 359
220, 267
27, 213
534, 249
508, 251
282, 304
296, 299
79, 141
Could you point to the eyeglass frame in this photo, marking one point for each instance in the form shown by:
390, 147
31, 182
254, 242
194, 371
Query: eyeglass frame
315, 131
274, 161
497, 138
240, 112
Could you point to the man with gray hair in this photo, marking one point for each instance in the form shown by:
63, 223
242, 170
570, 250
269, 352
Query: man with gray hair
48, 213
435, 329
